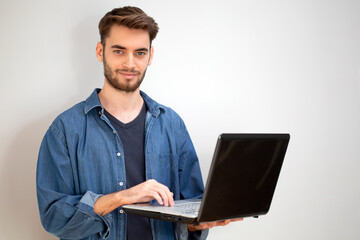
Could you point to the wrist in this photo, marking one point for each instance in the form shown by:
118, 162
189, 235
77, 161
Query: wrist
123, 197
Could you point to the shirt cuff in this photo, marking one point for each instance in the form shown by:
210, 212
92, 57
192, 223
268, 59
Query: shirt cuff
86, 205
90, 198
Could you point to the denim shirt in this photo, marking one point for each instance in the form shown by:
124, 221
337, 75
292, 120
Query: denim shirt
81, 158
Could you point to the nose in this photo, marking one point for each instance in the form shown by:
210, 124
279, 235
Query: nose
129, 61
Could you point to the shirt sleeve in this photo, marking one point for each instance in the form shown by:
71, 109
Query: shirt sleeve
63, 212
182, 233
191, 184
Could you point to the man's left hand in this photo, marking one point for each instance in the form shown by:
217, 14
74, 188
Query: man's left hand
209, 225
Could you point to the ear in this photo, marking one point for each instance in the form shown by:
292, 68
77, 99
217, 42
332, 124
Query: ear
151, 55
99, 51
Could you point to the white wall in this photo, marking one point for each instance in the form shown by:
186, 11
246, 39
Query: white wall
224, 66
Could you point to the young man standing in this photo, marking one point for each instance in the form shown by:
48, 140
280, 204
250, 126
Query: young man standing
118, 147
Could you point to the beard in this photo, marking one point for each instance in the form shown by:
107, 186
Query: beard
124, 85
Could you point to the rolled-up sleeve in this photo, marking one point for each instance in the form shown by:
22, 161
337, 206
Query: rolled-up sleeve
63, 211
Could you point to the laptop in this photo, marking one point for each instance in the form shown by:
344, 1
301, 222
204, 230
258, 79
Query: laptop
241, 183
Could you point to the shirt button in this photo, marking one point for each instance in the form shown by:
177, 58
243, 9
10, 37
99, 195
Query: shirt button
121, 211
118, 154
121, 183
114, 131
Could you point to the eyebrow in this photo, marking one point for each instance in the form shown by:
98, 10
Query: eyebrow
118, 46
124, 48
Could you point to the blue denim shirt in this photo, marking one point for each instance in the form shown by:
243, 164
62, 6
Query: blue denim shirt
81, 158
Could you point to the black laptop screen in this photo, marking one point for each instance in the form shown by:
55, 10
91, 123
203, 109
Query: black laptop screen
247, 169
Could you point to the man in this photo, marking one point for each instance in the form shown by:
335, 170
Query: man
118, 147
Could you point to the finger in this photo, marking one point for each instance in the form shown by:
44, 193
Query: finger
172, 202
237, 220
226, 222
157, 197
165, 194
211, 225
149, 190
169, 196
221, 223
203, 226
160, 190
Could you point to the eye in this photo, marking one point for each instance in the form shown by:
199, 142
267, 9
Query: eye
119, 51
141, 53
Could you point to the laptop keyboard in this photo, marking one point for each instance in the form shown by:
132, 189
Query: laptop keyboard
192, 207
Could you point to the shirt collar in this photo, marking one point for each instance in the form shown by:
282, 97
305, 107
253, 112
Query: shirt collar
153, 107
93, 101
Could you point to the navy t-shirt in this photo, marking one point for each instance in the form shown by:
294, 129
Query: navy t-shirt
132, 136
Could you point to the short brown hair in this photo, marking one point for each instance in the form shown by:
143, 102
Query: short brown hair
131, 17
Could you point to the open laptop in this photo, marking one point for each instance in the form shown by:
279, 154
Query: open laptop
241, 182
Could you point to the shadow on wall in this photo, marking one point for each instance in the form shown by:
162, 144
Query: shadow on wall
19, 214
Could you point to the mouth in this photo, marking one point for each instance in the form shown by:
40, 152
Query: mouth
128, 75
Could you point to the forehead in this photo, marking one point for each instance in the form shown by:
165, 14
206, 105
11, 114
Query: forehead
128, 37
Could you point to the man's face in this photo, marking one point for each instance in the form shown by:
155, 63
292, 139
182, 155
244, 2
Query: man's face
126, 56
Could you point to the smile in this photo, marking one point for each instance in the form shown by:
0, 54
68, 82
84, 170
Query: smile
128, 75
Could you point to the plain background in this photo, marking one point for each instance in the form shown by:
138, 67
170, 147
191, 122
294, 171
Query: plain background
224, 66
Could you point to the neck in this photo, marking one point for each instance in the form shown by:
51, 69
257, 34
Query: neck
122, 105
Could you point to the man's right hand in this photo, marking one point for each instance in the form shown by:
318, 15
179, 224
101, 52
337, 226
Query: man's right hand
144, 192
149, 190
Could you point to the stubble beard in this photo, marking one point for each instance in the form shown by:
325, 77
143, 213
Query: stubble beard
116, 83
